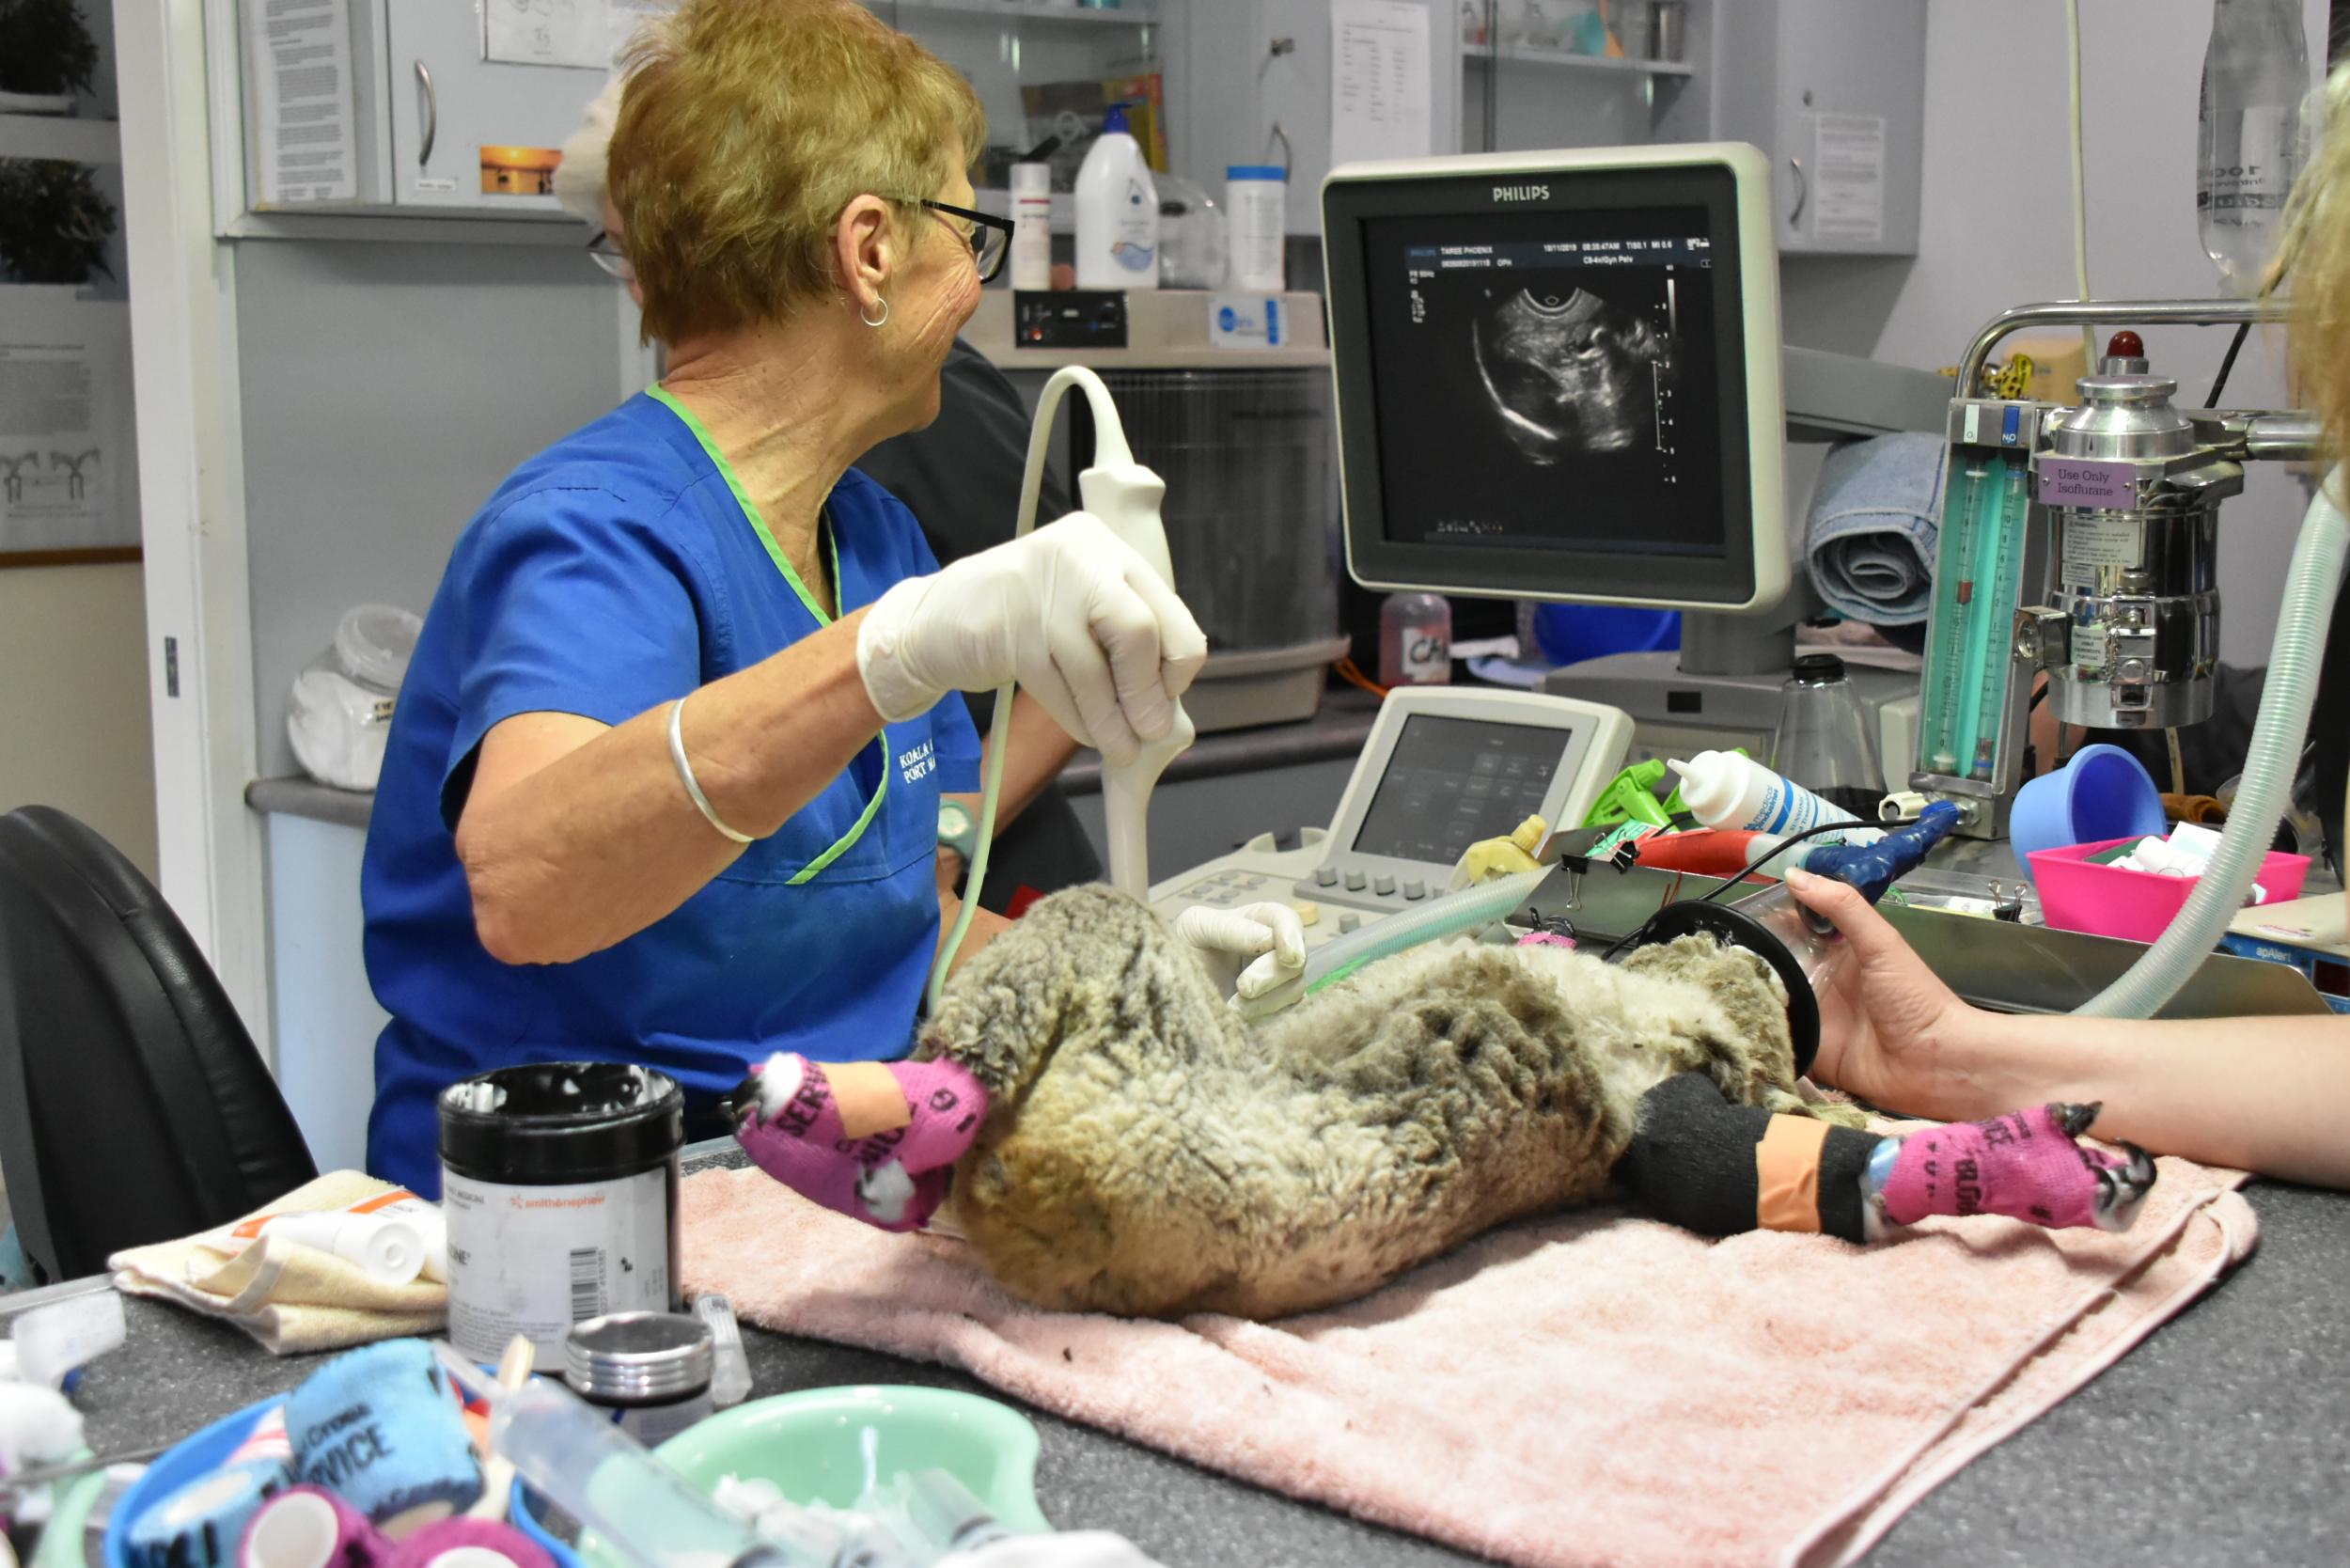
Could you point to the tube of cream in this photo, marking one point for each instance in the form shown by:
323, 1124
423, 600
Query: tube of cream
415, 1217
391, 1251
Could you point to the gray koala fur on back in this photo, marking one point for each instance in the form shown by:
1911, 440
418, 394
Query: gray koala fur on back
1147, 1153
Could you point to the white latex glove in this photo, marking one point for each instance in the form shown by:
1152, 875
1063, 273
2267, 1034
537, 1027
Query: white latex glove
1081, 1548
1270, 934
1070, 612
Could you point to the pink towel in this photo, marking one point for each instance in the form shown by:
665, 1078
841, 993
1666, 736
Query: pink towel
1585, 1390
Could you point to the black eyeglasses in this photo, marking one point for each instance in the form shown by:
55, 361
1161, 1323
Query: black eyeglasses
990, 236
605, 252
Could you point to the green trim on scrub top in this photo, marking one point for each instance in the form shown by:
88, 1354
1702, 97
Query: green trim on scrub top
783, 564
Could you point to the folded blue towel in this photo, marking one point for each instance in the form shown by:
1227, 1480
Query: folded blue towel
1875, 516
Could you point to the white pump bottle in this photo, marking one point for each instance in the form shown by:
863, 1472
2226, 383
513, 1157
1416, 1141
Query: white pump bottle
1117, 213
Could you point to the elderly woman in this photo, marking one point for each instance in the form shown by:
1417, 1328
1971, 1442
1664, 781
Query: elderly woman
663, 783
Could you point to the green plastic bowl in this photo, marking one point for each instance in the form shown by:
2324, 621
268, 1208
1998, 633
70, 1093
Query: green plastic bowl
62, 1541
829, 1444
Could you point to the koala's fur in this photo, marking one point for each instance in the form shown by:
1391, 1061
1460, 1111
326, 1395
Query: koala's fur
1146, 1153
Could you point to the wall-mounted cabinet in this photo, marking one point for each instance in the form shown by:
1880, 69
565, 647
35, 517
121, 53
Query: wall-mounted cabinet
1834, 92
375, 106
468, 134
457, 108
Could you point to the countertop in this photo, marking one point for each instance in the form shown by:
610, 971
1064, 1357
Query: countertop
2217, 1442
1338, 729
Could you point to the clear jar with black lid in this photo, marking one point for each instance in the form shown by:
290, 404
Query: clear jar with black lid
651, 1370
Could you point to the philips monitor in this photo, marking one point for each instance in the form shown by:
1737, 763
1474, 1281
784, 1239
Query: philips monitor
1558, 375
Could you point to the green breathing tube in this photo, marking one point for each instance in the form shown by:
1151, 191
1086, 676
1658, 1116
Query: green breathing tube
1480, 904
2312, 583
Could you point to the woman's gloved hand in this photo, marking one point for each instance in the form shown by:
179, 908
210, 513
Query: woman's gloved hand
1079, 1548
1069, 611
1269, 935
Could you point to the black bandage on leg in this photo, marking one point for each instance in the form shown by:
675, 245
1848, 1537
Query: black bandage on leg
1693, 1164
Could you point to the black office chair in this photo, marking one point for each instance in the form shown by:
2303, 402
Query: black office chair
133, 1106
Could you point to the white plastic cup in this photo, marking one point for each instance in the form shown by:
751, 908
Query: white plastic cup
1254, 206
50, 1342
1032, 226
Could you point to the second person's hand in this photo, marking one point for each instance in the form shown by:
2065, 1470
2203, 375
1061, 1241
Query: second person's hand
1268, 938
1890, 1030
1069, 611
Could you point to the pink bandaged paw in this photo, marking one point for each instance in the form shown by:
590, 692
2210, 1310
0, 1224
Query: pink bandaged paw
2025, 1165
869, 1139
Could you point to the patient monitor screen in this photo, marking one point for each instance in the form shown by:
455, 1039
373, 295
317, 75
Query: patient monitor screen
1545, 379
1450, 782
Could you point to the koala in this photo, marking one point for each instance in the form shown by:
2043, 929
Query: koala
1146, 1153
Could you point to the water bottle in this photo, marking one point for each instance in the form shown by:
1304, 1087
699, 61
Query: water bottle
1415, 640
1823, 744
2256, 73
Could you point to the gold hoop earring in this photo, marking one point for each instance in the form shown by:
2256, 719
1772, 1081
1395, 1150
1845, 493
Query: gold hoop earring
870, 321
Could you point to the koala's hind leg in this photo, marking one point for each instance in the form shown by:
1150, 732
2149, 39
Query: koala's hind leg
1748, 1052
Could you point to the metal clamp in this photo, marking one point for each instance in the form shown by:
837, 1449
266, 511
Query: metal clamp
1803, 194
432, 117
2042, 637
2131, 670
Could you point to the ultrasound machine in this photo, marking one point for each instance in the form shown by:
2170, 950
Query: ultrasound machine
1558, 377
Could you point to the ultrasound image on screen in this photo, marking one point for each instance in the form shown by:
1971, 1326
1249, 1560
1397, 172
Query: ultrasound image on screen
1546, 378
1450, 782
1565, 373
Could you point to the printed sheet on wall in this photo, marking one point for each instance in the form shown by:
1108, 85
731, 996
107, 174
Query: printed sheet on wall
67, 468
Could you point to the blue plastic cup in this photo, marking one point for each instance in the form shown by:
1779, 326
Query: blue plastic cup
2104, 792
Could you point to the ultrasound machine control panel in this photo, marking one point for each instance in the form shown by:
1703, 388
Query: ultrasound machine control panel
1444, 768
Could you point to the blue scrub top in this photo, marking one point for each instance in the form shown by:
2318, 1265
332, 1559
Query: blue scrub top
616, 570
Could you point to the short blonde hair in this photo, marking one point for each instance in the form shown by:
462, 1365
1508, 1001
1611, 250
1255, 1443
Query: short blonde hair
745, 127
2313, 264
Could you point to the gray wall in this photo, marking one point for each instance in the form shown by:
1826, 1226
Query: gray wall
387, 389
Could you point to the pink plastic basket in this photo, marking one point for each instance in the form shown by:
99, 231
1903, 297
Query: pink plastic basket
2109, 900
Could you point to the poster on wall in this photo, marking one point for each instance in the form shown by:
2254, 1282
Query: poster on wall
66, 460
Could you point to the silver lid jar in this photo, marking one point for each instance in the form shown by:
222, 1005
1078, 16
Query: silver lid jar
629, 1359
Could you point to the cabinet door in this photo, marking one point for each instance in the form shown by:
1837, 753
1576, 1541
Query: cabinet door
1849, 126
448, 103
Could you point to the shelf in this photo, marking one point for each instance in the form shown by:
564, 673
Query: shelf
80, 141
1526, 54
1041, 13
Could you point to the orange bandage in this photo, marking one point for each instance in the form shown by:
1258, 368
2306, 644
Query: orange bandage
868, 1098
1787, 1174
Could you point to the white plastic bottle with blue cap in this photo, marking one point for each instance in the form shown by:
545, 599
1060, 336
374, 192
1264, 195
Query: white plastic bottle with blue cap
1255, 203
1726, 790
1118, 212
